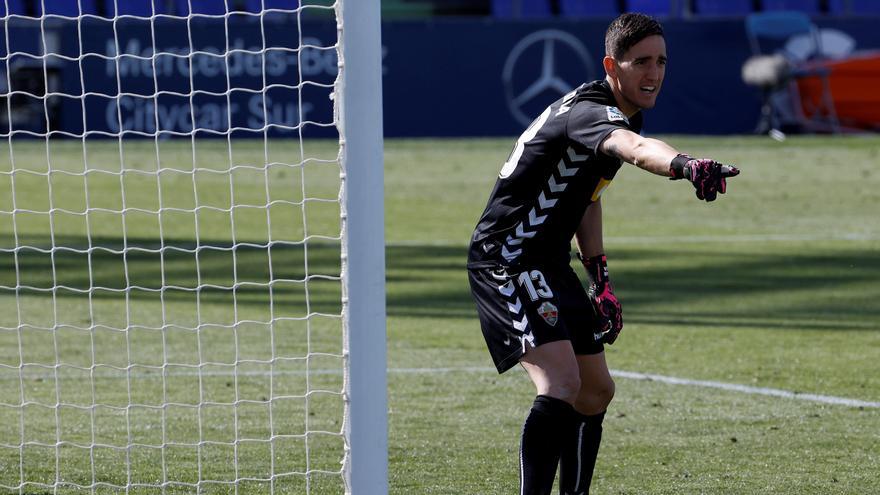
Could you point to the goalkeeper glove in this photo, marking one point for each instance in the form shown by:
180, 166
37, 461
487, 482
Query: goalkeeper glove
605, 303
708, 176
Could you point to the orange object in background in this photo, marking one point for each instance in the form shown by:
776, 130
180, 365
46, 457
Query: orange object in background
854, 88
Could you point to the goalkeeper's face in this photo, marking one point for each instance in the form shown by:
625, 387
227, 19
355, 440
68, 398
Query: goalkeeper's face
637, 76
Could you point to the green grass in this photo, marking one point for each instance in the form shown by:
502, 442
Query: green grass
776, 284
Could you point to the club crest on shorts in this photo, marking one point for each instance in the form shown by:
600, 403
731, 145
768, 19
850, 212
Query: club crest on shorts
549, 312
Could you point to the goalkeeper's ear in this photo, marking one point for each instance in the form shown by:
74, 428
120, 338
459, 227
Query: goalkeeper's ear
610, 66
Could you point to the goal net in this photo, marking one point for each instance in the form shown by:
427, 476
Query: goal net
172, 190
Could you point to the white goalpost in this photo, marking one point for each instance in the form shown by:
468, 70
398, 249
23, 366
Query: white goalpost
364, 247
192, 247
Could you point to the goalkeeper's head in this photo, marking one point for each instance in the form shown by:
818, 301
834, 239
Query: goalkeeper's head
635, 61
627, 30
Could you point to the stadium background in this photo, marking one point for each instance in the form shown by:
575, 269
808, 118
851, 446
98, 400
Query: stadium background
451, 68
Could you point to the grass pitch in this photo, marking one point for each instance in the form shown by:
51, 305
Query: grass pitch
776, 285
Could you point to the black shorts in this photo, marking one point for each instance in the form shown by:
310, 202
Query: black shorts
530, 308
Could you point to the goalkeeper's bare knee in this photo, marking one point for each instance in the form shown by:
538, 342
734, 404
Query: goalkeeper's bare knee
594, 398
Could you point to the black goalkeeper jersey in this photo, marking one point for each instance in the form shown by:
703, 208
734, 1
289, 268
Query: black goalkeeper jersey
552, 175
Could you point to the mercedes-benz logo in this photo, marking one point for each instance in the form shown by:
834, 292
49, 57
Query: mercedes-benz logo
551, 76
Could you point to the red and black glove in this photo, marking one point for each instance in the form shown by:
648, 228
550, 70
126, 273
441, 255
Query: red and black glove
708, 176
605, 303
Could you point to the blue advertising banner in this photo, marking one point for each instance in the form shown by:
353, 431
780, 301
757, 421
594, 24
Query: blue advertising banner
174, 76
481, 77
445, 77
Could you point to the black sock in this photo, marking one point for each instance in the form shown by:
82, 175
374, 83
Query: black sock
579, 455
543, 436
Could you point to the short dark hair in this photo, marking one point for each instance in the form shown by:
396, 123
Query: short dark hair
627, 30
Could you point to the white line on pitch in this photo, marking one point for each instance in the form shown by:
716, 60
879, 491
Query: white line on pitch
745, 238
731, 387
683, 239
632, 375
745, 389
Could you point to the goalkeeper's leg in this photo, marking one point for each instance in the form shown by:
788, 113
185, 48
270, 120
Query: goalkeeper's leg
553, 369
578, 456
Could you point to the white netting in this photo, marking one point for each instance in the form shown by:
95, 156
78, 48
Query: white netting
170, 315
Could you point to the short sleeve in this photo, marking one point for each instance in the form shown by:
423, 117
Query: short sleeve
590, 123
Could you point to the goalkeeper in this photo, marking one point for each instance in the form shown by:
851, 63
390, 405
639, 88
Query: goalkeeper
533, 309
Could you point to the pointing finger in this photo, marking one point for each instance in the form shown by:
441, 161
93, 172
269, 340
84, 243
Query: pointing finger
729, 171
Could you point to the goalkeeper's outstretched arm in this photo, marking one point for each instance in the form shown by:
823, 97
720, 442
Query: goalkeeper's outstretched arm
708, 176
649, 154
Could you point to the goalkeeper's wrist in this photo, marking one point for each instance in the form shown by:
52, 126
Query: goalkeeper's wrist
678, 166
596, 267
592, 260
